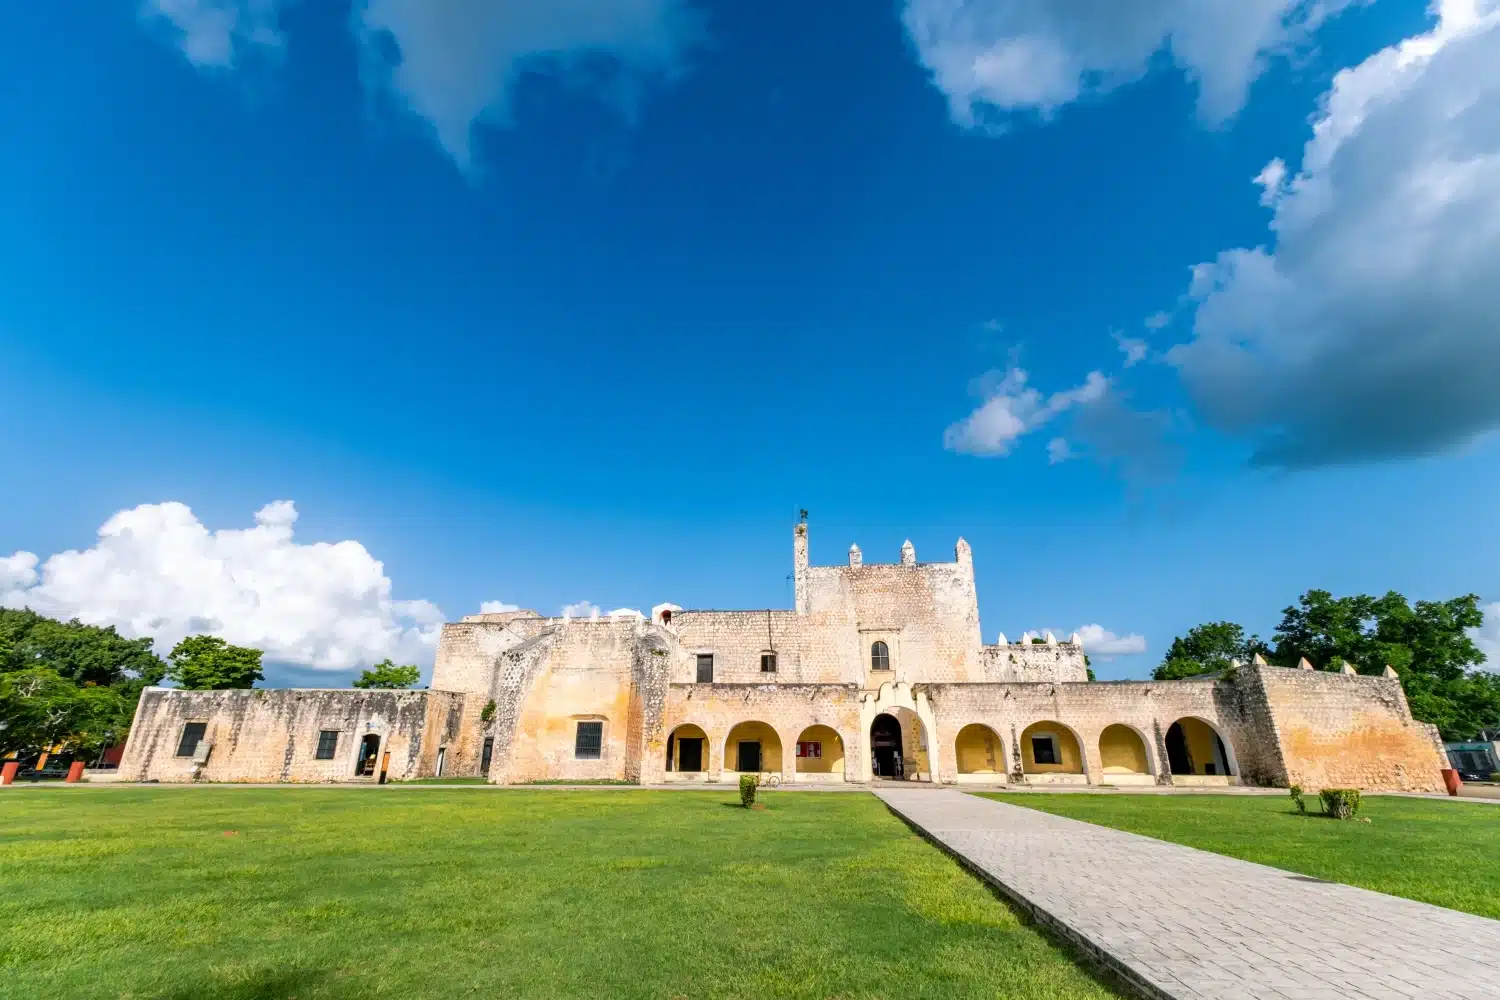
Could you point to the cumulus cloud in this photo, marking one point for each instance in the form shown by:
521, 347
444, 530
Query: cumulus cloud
1369, 328
1100, 642
1011, 409
1487, 637
457, 61
497, 607
581, 609
216, 33
157, 570
993, 58
1058, 451
1133, 348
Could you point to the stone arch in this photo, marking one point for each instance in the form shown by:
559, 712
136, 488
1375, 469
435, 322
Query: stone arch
1124, 755
1196, 749
1063, 762
820, 754
687, 752
766, 754
892, 697
979, 754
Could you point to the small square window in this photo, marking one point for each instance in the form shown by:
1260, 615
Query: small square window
1044, 750
589, 743
705, 668
328, 744
768, 663
192, 735
810, 748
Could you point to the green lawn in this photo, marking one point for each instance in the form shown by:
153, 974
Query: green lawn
1446, 853
192, 893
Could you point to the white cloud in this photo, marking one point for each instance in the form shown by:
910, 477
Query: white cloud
497, 607
157, 570
1133, 348
1157, 320
1058, 451
581, 609
215, 33
992, 58
1100, 642
1368, 329
459, 60
1011, 409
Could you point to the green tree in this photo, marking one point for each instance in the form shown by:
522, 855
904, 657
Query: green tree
84, 654
40, 708
386, 675
1427, 643
208, 663
1207, 649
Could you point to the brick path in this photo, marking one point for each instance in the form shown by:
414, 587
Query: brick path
1182, 923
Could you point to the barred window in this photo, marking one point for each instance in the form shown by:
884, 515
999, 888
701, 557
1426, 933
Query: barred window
328, 743
768, 663
705, 668
192, 735
590, 741
880, 656
810, 748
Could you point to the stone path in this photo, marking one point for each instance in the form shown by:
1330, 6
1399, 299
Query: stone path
1182, 923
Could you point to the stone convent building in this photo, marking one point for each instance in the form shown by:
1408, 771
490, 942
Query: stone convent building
878, 672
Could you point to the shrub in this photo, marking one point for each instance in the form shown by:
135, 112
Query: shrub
488, 712
1495, 775
748, 783
1340, 803
1297, 798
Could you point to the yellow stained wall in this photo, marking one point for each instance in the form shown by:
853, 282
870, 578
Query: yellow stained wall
1067, 747
1121, 751
693, 733
832, 761
1199, 736
770, 746
977, 750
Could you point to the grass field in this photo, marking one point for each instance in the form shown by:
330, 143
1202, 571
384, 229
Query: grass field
252, 894
1446, 853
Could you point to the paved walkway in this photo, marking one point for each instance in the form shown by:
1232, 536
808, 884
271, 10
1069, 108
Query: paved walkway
1182, 923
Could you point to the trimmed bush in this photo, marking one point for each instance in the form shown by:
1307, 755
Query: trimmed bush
1340, 803
748, 784
1296, 791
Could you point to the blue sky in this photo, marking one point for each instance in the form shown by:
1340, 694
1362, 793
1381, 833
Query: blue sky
582, 301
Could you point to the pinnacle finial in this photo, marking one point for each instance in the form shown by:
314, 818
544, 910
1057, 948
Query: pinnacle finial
1389, 671
1258, 660
1302, 664
1347, 669
1002, 641
1050, 639
856, 557
908, 553
1075, 639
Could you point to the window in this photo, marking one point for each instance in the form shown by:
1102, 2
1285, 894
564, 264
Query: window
809, 748
328, 743
192, 735
1044, 750
768, 663
484, 757
590, 741
880, 656
705, 668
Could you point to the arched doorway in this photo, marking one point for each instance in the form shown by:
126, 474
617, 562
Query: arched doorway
1050, 753
886, 752
820, 754
1194, 748
687, 750
1122, 755
752, 748
369, 749
978, 752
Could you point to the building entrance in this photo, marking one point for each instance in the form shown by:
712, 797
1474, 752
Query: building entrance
885, 747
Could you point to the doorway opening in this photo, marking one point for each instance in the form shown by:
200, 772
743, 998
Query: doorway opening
885, 748
364, 764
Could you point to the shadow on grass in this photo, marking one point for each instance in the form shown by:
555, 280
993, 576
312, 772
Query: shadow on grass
1089, 960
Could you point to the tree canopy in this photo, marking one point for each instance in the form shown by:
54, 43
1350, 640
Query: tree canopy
1428, 644
387, 676
208, 663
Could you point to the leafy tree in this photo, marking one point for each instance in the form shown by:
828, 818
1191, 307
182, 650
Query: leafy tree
208, 663
386, 675
1207, 649
84, 654
40, 708
1428, 643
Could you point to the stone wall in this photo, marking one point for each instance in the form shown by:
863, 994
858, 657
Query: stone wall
1037, 661
272, 735
1345, 730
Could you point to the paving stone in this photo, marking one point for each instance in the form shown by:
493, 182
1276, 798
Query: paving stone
1190, 925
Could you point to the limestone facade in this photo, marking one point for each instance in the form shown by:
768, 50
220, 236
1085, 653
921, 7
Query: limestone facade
878, 671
